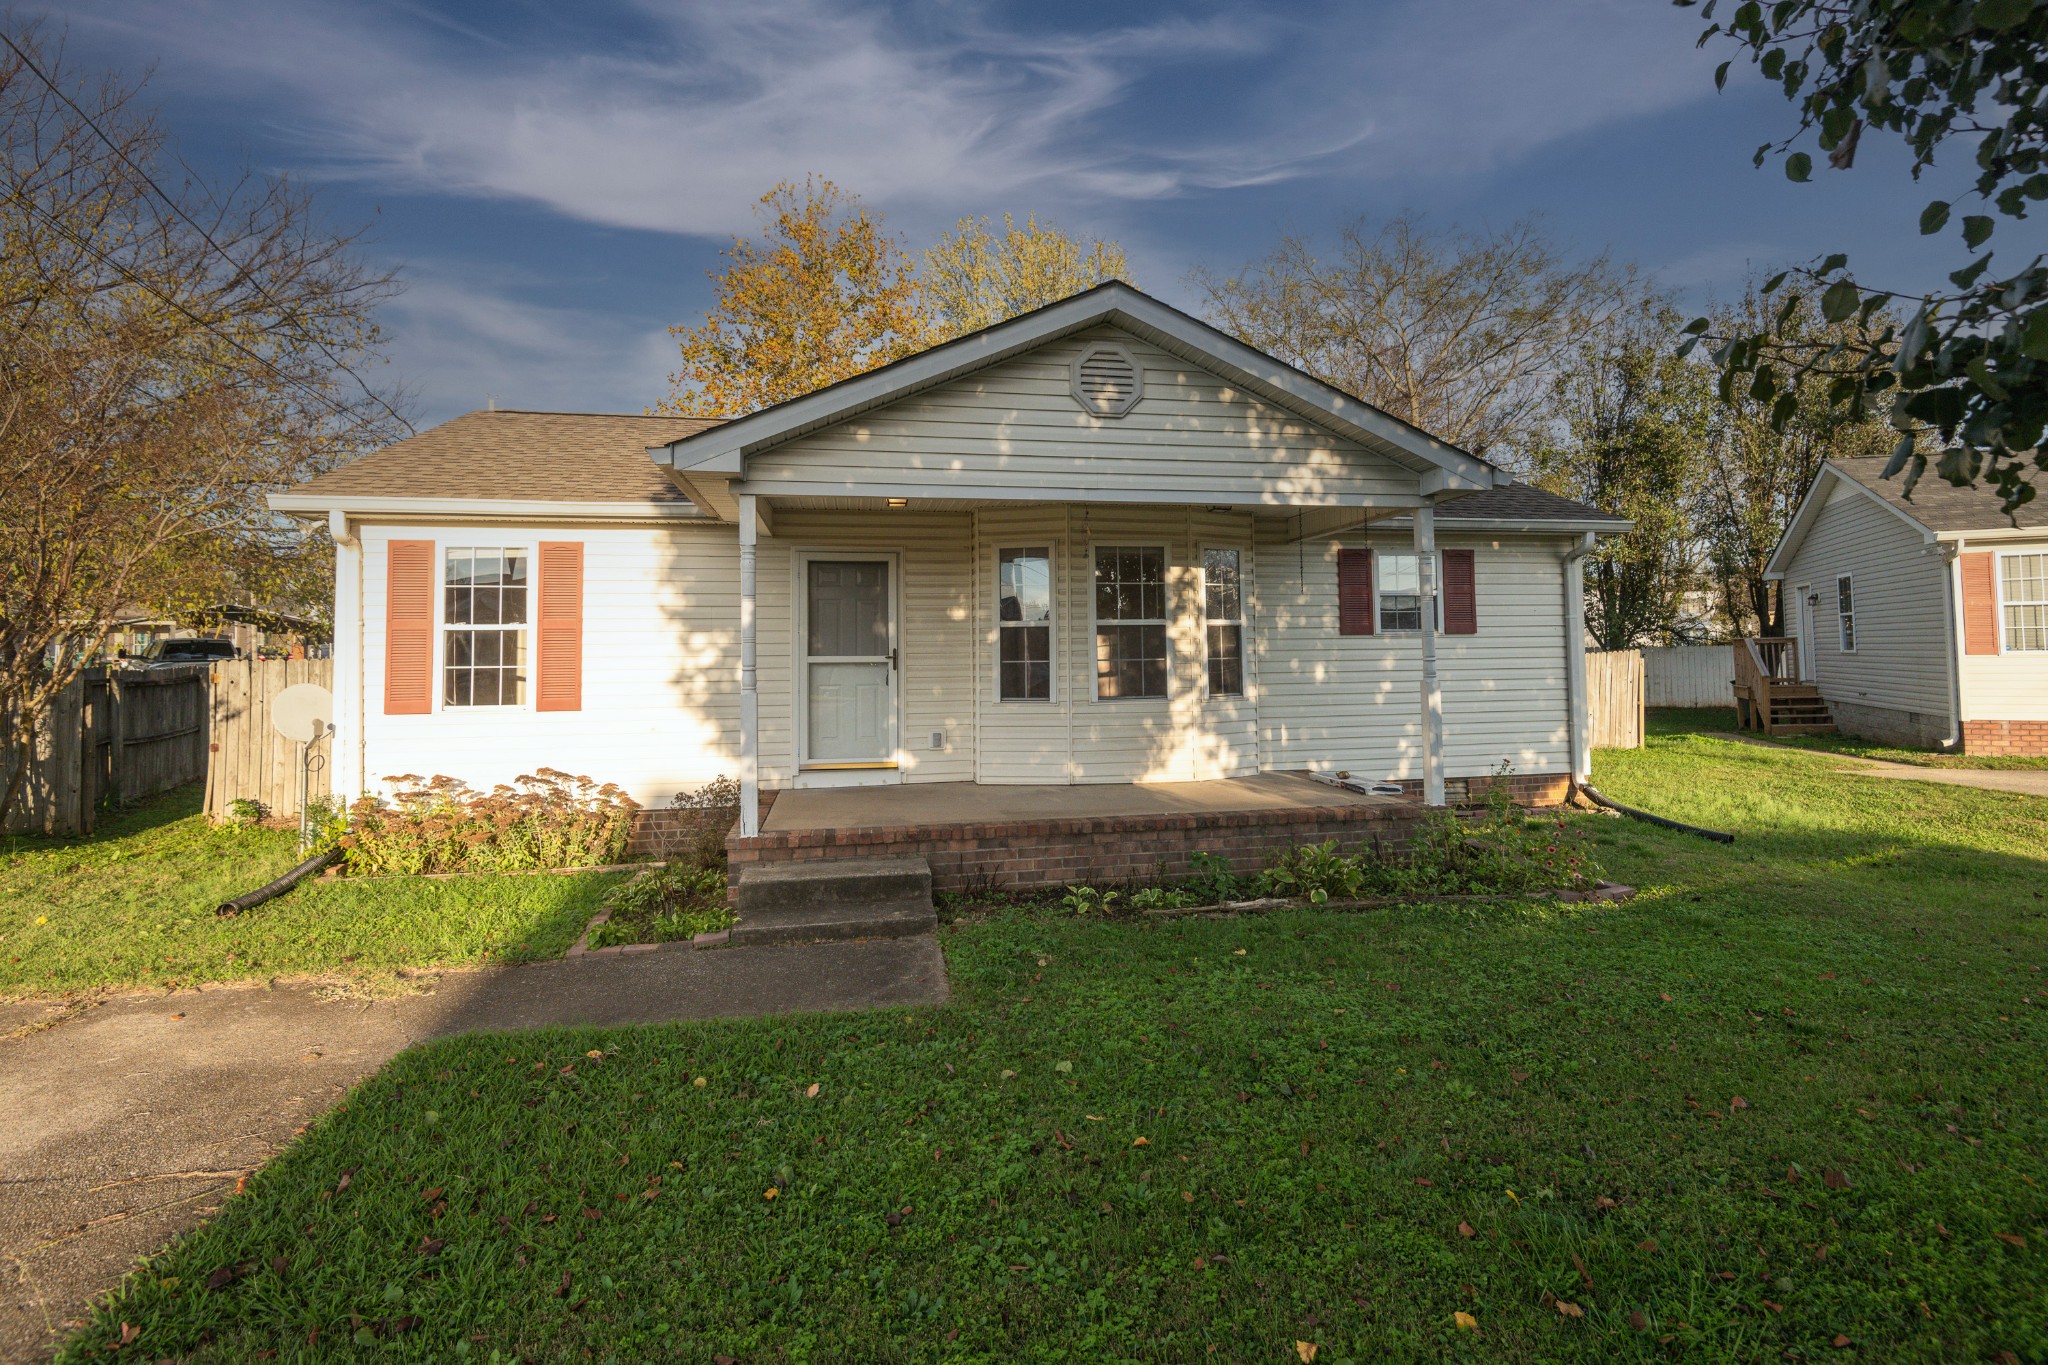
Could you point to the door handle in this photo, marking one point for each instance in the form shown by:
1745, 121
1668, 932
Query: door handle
892, 661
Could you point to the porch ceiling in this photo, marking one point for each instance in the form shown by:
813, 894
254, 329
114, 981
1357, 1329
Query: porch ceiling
973, 803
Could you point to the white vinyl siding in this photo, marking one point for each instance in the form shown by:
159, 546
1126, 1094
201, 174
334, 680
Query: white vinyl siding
2013, 683
1015, 428
1331, 702
1896, 613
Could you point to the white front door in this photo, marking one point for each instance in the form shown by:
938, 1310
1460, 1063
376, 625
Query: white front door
848, 657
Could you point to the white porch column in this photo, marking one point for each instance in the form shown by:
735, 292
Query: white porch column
344, 748
1432, 690
1578, 720
750, 708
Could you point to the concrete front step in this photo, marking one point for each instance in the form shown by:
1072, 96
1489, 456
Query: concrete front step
834, 898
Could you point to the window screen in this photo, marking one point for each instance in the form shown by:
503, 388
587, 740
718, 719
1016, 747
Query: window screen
484, 619
1130, 622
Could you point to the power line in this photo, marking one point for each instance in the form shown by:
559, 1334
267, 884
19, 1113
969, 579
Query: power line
205, 236
341, 409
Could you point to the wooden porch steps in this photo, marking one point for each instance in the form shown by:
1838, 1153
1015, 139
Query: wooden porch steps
1770, 696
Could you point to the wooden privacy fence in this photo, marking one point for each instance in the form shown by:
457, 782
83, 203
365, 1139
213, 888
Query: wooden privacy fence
1614, 698
1689, 675
113, 736
251, 761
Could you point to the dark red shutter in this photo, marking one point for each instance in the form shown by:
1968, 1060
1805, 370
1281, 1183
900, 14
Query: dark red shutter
1980, 602
558, 628
408, 627
1461, 596
1354, 592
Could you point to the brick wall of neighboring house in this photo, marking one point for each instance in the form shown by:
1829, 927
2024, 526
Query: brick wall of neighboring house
2024, 738
1540, 790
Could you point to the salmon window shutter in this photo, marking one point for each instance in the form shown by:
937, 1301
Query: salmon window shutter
558, 628
408, 627
1980, 602
1354, 592
1461, 595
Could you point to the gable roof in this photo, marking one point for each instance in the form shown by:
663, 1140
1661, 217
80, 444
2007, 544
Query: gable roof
505, 457
1519, 503
1938, 504
723, 451
1937, 508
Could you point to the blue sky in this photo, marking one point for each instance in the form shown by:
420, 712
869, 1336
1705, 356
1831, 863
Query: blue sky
555, 180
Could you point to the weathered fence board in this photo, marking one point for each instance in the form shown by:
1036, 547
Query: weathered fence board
1689, 675
1614, 698
110, 738
251, 761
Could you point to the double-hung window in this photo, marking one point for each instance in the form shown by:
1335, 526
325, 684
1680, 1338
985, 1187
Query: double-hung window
1223, 614
484, 627
1400, 592
1130, 622
1845, 612
2023, 598
1024, 624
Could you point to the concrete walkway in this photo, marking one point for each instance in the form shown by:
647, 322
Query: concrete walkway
126, 1122
2025, 781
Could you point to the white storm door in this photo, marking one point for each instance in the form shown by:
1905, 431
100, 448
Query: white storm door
849, 663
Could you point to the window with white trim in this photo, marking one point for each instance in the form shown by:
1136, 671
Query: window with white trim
1845, 612
1130, 622
1397, 585
1223, 617
2023, 600
483, 657
1024, 624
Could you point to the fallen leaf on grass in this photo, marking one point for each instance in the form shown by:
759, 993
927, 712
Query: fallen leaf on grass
1569, 1310
228, 1274
1464, 1321
1467, 1230
1425, 1182
1840, 1342
129, 1331
1647, 1244
1306, 1350
1141, 1142
430, 1246
1601, 1201
1834, 1180
812, 1093
429, 1196
2010, 1237
1517, 1075
1638, 1321
770, 1193
1738, 1103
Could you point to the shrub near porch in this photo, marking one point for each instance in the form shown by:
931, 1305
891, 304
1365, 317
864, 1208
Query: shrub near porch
1354, 1127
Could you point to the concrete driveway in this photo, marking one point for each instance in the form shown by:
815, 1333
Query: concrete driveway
2025, 781
127, 1121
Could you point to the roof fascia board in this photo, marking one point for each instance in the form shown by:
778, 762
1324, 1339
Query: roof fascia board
1052, 493
1606, 526
484, 507
1994, 533
724, 449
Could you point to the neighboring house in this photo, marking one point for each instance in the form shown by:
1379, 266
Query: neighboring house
1922, 621
1101, 544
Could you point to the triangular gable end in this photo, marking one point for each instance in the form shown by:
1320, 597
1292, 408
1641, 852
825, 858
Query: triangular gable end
1804, 517
1006, 413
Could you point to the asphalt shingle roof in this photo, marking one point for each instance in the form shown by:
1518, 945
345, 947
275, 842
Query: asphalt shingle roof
1519, 502
568, 456
1938, 504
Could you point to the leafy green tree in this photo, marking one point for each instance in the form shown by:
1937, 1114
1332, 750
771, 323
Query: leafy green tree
975, 277
1766, 450
1629, 429
1970, 361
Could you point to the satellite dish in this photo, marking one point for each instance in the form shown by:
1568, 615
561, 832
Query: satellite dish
303, 711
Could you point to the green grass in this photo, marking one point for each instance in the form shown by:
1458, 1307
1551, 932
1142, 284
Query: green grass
1676, 720
134, 906
1325, 1099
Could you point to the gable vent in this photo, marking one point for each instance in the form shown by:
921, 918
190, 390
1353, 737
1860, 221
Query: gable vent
1107, 380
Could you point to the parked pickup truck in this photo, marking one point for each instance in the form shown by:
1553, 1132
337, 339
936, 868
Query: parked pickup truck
170, 653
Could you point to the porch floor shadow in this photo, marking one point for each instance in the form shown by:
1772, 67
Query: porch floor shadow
975, 803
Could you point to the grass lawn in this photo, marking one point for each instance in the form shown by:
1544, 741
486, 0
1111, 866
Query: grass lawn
1678, 719
1215, 1139
134, 906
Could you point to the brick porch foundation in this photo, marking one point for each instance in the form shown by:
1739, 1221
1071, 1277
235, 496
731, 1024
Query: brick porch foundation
2019, 738
1115, 849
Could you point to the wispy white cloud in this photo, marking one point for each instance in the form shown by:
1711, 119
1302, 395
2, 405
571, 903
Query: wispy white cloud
681, 128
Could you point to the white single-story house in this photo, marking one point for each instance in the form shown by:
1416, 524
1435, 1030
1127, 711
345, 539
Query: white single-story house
1099, 546
1920, 621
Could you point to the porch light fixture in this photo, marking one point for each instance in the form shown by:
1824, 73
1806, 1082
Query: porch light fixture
899, 502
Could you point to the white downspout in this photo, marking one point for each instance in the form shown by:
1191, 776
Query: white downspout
345, 782
750, 708
1432, 689
1951, 593
1577, 722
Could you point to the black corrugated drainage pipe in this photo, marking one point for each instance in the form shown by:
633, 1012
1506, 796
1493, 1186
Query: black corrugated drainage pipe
1718, 836
278, 887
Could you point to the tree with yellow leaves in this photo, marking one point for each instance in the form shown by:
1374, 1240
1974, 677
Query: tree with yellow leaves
821, 295
975, 278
